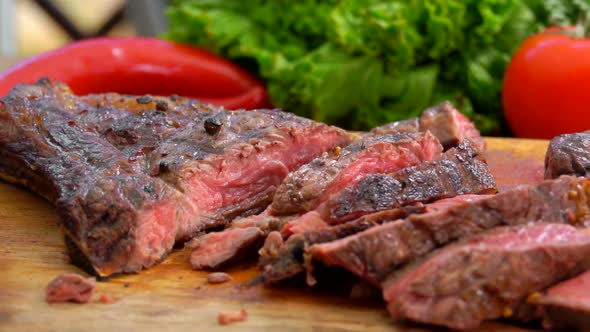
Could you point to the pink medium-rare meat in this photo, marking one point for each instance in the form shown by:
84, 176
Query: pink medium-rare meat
130, 177
288, 261
310, 221
484, 277
223, 247
323, 181
70, 287
564, 306
230, 317
444, 121
317, 180
218, 278
306, 188
460, 170
374, 253
243, 235
281, 260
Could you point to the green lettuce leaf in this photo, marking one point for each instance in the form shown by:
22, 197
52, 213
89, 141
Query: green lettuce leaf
361, 63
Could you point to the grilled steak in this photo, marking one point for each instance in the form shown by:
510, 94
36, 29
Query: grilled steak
443, 121
130, 175
460, 171
289, 260
486, 276
568, 154
565, 305
313, 183
374, 253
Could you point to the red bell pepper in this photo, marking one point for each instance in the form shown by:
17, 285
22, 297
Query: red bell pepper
142, 66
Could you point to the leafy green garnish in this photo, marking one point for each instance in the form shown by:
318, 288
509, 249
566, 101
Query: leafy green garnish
361, 63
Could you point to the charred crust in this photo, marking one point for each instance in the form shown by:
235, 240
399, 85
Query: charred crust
144, 100
163, 166
213, 125
161, 106
78, 258
149, 188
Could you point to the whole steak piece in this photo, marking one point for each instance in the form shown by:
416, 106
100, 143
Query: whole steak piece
568, 154
484, 277
132, 175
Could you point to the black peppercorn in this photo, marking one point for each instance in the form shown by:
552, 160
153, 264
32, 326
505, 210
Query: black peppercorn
144, 100
213, 125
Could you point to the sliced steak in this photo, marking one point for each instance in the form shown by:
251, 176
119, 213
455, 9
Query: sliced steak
220, 248
484, 277
461, 170
374, 253
289, 260
565, 305
244, 235
568, 154
313, 183
130, 177
443, 121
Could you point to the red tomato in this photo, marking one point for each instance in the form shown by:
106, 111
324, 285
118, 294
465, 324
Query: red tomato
546, 89
142, 66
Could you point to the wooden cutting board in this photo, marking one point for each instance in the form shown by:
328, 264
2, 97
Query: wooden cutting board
171, 296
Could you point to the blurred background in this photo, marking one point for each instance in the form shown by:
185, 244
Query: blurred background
29, 27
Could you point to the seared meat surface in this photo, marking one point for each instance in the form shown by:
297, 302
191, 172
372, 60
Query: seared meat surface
568, 154
131, 175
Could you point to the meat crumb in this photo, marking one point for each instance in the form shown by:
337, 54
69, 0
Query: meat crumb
218, 278
106, 299
271, 246
193, 243
127, 285
229, 317
70, 287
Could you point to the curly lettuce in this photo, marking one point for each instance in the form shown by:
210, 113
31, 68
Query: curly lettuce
361, 63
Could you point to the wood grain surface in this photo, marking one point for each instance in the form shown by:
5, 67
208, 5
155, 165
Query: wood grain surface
172, 297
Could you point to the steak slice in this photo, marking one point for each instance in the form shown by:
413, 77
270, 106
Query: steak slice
304, 189
223, 247
314, 182
290, 259
461, 170
568, 154
484, 277
138, 176
565, 305
374, 253
444, 121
